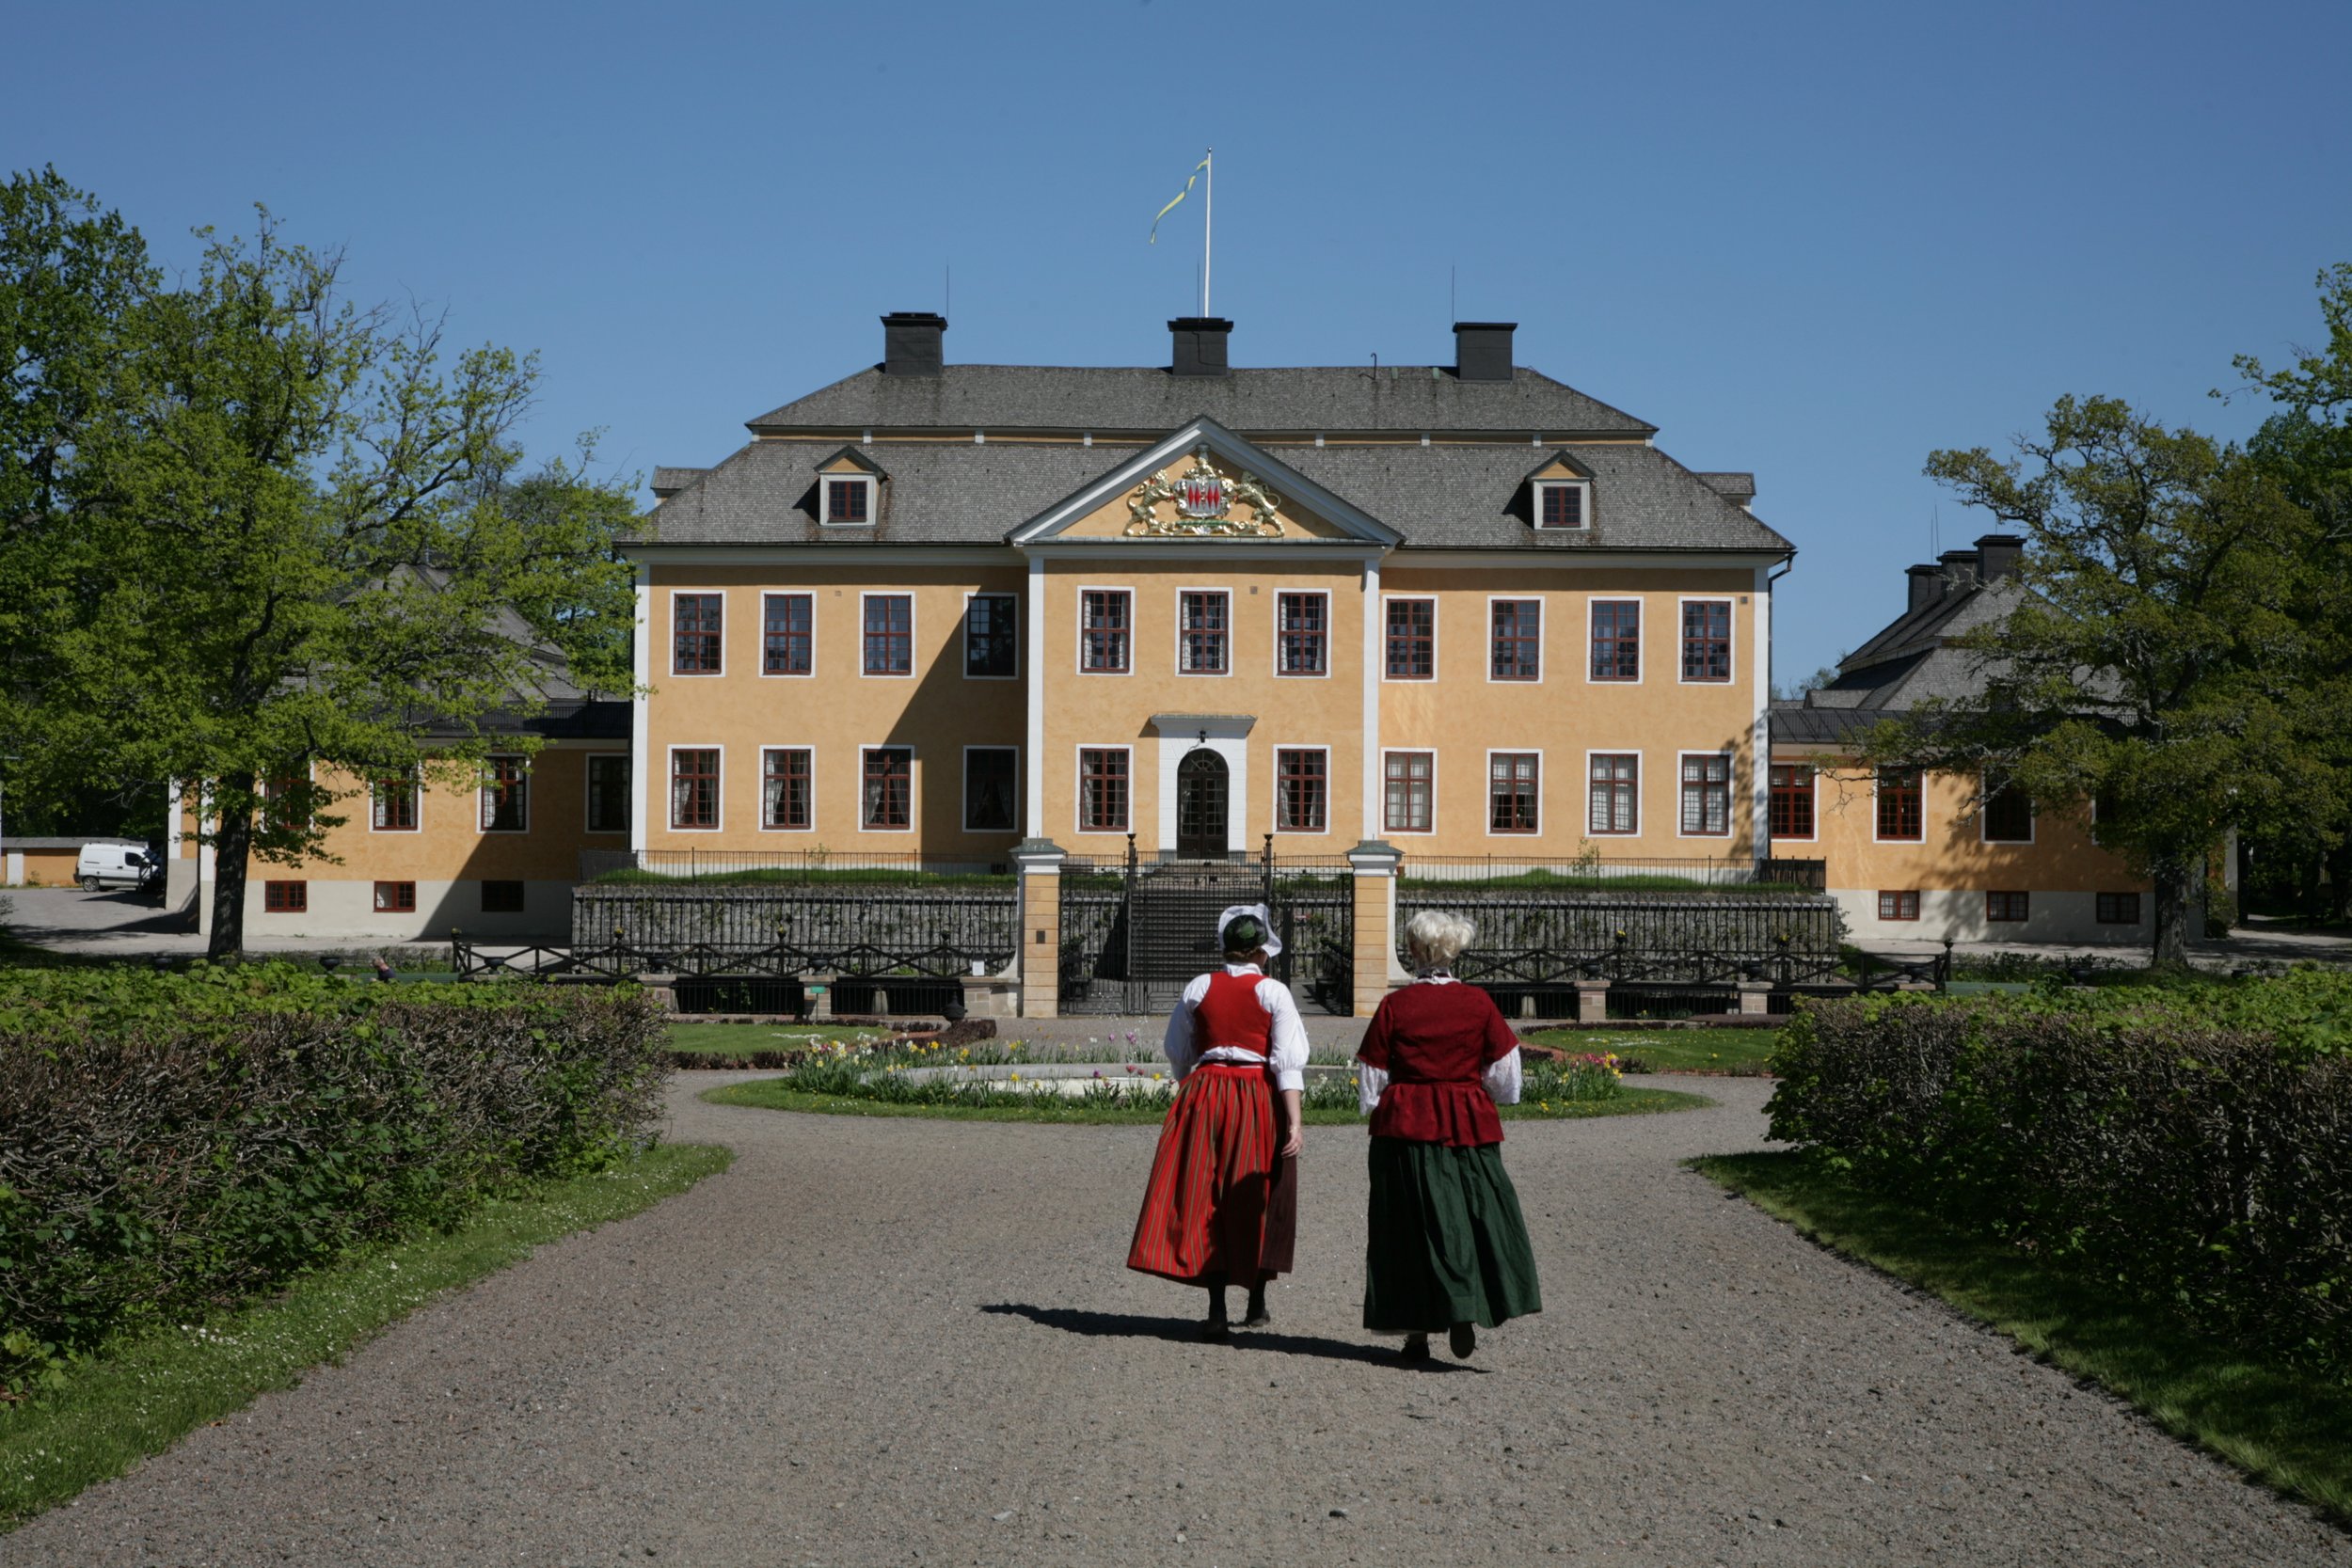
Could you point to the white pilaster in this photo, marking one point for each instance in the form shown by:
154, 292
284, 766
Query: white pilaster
1374, 821
640, 716
1034, 755
1760, 744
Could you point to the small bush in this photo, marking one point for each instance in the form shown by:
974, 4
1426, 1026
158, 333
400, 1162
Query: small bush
181, 1142
2194, 1146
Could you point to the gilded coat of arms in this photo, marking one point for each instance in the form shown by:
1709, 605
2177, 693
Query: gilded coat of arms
1203, 499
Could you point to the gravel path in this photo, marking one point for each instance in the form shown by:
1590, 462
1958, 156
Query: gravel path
892, 1341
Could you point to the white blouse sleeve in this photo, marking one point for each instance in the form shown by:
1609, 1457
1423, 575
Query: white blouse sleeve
1180, 1044
1369, 1084
1287, 1036
1502, 1079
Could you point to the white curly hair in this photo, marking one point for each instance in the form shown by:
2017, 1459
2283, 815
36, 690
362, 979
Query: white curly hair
1435, 938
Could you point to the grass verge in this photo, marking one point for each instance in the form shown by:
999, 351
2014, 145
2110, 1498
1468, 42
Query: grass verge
143, 1394
774, 1094
745, 1040
2279, 1424
1740, 1052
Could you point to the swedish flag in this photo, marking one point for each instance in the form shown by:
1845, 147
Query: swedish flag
1180, 196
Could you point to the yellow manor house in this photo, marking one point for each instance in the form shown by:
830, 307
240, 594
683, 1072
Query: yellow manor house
933, 612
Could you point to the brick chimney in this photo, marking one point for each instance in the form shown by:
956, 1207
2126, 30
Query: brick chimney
913, 343
1198, 345
1482, 350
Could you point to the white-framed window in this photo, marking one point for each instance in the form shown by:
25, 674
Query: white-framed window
695, 776
505, 794
1410, 792
606, 809
1105, 789
1791, 820
846, 500
1302, 789
697, 632
1515, 792
788, 634
788, 789
1706, 786
1408, 644
1612, 629
886, 789
888, 635
992, 789
1514, 639
396, 805
2007, 816
1613, 794
1107, 631
1563, 504
1204, 632
1706, 641
1898, 806
1302, 632
991, 636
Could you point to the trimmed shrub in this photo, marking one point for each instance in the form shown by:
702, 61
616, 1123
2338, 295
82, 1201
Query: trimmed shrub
2159, 1140
171, 1144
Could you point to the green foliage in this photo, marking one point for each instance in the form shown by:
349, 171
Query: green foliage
182, 1141
2192, 1143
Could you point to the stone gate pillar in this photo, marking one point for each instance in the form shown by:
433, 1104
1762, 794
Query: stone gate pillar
1374, 866
1040, 863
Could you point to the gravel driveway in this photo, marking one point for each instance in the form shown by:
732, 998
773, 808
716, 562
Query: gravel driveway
891, 1341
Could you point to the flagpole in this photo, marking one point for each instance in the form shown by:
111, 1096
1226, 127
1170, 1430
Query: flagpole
1208, 222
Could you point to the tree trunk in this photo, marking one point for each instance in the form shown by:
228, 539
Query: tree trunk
232, 843
2171, 898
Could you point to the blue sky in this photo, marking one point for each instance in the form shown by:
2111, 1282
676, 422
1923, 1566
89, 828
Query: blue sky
1812, 241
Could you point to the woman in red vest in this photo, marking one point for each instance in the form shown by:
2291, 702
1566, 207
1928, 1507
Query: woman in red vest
1222, 1202
1448, 1250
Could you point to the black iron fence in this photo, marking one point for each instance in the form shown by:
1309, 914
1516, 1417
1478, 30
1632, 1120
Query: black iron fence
1537, 938
859, 930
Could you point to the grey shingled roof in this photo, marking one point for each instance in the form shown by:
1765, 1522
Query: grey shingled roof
1151, 401
1458, 496
668, 482
1796, 724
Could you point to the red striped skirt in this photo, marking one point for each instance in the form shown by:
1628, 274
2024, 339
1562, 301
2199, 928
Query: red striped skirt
1219, 1202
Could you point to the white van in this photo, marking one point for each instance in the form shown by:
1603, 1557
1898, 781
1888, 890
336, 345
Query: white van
112, 865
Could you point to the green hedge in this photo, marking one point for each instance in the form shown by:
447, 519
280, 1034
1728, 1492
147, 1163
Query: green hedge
2193, 1145
170, 1144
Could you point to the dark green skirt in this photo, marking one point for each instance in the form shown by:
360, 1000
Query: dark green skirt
1447, 1244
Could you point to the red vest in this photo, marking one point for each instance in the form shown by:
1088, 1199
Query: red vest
1231, 1014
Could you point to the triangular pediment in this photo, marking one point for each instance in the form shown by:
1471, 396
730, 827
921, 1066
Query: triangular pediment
1207, 484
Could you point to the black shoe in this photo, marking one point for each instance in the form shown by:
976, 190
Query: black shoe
1216, 1330
1416, 1348
1464, 1339
1259, 1317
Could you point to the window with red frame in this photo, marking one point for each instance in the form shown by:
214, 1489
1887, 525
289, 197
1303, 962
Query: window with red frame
789, 639
888, 800
1792, 799
1517, 639
286, 897
992, 649
694, 639
2119, 909
1305, 634
1707, 795
2004, 908
505, 795
846, 500
694, 787
1511, 792
1105, 627
393, 809
1613, 805
1103, 789
1706, 639
1898, 906
1412, 648
1902, 805
1410, 776
784, 787
1617, 640
502, 898
1203, 629
395, 898
890, 634
2007, 815
1302, 791
1561, 506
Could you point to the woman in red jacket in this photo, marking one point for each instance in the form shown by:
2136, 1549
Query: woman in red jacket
1222, 1201
1448, 1250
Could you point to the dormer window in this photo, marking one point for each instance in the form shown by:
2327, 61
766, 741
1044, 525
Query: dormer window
848, 502
1561, 503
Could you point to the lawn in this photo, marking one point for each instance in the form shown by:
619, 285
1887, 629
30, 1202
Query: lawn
2281, 1425
743, 1039
1740, 1052
777, 1094
140, 1395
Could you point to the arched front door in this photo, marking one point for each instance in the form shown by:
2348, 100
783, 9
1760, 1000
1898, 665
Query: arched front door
1200, 806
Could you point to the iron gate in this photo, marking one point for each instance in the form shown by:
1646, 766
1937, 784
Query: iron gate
1133, 934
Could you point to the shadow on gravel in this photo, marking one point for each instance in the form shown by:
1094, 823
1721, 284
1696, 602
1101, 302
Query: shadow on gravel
1186, 1331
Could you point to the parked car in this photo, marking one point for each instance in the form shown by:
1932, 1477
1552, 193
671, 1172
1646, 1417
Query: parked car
102, 865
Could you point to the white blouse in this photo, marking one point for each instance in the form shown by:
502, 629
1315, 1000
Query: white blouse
1501, 1076
1287, 1034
